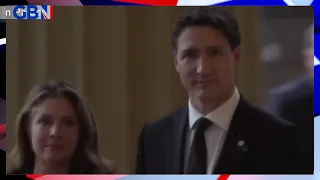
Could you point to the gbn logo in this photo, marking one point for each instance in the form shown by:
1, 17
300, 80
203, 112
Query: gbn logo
31, 12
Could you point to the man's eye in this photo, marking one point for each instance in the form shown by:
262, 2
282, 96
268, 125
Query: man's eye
190, 54
216, 53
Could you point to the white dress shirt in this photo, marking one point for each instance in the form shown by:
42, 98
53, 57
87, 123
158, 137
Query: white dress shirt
215, 134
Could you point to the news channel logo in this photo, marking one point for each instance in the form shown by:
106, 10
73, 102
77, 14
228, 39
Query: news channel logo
30, 12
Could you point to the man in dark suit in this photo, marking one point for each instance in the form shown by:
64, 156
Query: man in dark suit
294, 101
218, 131
2, 87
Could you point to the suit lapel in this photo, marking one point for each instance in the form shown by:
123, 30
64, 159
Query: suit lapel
232, 152
176, 151
235, 145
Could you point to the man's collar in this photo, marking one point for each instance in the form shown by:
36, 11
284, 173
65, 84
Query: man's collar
221, 116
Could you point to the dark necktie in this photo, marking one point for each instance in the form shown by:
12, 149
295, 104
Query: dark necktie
197, 163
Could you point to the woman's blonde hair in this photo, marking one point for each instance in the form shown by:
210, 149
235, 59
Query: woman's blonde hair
86, 158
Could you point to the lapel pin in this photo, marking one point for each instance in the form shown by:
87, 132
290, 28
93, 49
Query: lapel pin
242, 145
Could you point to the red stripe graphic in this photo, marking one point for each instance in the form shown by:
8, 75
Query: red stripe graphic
45, 17
2, 128
2, 131
51, 12
34, 176
152, 2
224, 177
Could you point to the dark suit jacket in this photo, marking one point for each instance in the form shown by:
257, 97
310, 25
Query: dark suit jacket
269, 145
294, 102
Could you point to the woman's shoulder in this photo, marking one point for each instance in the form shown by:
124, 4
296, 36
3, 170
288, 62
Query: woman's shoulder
18, 171
102, 166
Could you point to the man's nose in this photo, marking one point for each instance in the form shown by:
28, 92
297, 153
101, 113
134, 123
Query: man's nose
203, 66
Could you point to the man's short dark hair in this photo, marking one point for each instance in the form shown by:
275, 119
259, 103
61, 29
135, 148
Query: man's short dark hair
214, 17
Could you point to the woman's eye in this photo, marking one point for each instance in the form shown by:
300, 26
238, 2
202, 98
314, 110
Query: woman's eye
45, 121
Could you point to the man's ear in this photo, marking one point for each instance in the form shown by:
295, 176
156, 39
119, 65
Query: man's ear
175, 59
237, 54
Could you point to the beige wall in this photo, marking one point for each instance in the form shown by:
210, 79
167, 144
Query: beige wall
120, 58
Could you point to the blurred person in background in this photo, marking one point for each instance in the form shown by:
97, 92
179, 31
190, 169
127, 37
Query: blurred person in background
218, 132
2, 93
2, 86
2, 124
294, 101
56, 134
2, 129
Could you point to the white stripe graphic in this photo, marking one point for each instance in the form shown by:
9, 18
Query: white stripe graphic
316, 61
289, 2
302, 2
2, 41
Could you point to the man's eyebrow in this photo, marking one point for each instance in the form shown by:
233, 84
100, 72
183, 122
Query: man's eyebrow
215, 47
189, 48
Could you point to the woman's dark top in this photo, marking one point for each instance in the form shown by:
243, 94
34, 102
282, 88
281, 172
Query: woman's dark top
84, 168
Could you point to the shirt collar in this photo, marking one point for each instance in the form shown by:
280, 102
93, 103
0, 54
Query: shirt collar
221, 116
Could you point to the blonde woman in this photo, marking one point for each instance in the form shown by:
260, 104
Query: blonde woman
56, 134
